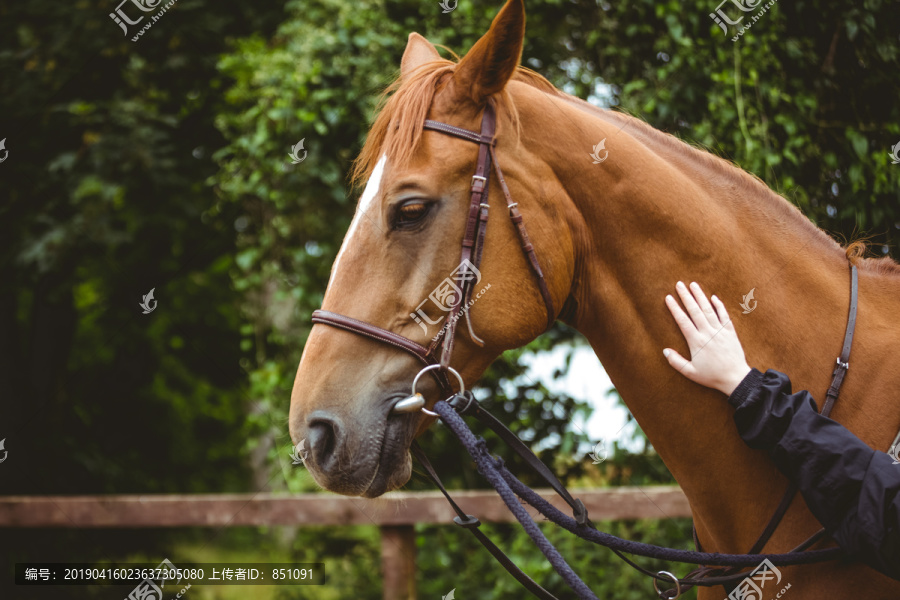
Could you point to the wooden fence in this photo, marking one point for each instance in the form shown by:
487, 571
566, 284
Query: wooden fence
395, 514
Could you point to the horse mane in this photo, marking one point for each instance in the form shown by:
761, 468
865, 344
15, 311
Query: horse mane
748, 183
403, 108
884, 265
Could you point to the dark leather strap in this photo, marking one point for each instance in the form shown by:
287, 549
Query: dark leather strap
476, 218
709, 576
471, 523
373, 332
843, 361
453, 130
512, 207
527, 247
777, 516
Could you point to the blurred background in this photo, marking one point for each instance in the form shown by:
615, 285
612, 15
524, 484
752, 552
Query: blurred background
163, 164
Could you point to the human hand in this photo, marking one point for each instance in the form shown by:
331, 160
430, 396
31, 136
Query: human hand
717, 358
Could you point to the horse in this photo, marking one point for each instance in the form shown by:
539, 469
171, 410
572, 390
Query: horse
613, 233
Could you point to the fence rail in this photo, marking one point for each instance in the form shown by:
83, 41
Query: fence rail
395, 513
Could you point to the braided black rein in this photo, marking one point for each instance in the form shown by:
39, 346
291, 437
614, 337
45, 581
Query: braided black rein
509, 487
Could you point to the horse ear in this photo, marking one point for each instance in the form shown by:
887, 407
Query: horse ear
419, 51
493, 59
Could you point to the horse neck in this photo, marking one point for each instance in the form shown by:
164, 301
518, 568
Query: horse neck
656, 212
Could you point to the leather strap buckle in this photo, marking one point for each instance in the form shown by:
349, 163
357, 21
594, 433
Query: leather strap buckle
580, 512
478, 183
456, 402
469, 523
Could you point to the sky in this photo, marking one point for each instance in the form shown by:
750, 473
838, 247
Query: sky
585, 380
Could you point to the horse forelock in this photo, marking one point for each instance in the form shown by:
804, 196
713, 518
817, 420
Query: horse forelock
404, 106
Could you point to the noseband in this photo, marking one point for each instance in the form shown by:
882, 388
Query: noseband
472, 247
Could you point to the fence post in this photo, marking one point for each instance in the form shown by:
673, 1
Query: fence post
398, 562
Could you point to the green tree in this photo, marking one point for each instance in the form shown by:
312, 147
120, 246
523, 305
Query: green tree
103, 197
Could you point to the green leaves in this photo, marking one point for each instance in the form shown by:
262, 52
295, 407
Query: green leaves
858, 141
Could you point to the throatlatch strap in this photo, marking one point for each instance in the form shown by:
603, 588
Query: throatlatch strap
527, 247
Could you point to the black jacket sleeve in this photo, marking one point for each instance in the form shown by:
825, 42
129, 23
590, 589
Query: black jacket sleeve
853, 490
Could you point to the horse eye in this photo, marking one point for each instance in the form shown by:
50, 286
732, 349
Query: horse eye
411, 212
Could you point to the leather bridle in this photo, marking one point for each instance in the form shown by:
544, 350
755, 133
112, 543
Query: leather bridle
472, 248
438, 364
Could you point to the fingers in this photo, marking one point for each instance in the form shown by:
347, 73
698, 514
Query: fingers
685, 324
723, 312
690, 304
705, 306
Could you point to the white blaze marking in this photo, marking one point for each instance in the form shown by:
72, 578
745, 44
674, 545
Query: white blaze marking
365, 202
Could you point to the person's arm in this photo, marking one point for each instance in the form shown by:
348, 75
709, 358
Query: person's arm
853, 490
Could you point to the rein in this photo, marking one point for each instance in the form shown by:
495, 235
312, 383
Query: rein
717, 569
509, 487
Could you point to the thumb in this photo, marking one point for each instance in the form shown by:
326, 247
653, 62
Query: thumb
678, 362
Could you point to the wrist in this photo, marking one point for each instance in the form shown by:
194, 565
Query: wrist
734, 379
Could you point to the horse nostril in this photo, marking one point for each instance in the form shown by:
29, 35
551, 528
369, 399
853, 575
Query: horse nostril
323, 438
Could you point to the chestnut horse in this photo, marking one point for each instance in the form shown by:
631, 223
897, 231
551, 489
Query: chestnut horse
612, 238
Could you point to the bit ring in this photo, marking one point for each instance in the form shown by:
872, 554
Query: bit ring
462, 385
665, 594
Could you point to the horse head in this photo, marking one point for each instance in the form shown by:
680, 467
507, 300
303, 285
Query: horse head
400, 269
